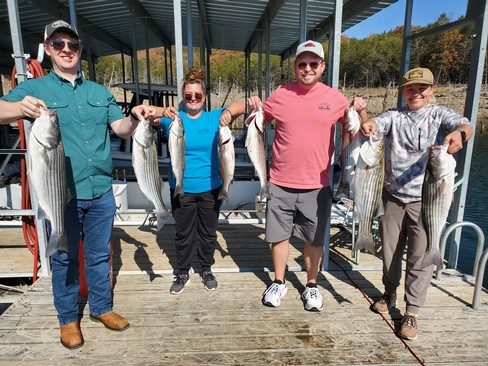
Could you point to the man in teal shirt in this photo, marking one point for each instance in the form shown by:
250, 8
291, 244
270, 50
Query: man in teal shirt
85, 110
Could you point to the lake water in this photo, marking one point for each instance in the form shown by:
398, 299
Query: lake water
476, 206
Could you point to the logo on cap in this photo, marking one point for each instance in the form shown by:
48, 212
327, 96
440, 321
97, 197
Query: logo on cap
416, 74
309, 45
60, 23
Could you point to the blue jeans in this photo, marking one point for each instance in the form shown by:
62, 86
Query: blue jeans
92, 221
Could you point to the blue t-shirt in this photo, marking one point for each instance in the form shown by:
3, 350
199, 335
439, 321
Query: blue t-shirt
202, 151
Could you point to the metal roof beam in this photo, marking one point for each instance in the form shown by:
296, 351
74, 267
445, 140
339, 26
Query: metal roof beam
58, 10
31, 42
349, 10
203, 20
141, 13
267, 17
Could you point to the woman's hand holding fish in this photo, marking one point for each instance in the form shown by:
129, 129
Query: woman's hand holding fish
225, 117
169, 112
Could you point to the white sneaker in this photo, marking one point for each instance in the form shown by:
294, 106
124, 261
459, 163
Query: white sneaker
313, 299
273, 294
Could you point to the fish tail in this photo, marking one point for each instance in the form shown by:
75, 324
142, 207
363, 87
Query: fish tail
56, 241
178, 190
223, 195
432, 257
264, 192
365, 243
161, 217
342, 191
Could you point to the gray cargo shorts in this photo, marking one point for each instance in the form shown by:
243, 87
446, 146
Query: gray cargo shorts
302, 213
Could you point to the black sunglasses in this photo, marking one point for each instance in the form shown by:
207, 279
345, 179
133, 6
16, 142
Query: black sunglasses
58, 45
313, 65
189, 96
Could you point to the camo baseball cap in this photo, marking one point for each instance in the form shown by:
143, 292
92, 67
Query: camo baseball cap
419, 75
310, 46
59, 25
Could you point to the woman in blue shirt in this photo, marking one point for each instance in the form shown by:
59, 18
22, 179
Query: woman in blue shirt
196, 209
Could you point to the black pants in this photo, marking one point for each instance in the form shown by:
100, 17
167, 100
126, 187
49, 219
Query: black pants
196, 216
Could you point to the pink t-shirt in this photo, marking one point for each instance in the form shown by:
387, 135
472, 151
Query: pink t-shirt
304, 141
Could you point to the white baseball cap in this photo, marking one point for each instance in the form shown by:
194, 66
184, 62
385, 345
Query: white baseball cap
310, 46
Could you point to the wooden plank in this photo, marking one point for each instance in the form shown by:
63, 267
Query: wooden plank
231, 326
291, 334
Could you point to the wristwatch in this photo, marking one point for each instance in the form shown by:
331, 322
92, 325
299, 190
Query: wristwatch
463, 134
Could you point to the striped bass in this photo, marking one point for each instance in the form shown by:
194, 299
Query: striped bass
47, 176
145, 164
350, 146
367, 187
227, 160
177, 152
255, 148
437, 193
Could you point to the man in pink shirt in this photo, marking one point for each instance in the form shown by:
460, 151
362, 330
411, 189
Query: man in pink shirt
305, 112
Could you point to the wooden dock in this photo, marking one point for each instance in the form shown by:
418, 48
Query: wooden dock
230, 326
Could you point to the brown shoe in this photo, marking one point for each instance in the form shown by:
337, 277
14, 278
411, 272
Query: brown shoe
384, 305
408, 327
71, 336
112, 321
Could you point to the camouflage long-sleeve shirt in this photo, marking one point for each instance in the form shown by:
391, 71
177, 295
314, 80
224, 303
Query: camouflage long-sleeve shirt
409, 135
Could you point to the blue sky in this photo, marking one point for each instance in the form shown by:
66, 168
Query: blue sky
423, 13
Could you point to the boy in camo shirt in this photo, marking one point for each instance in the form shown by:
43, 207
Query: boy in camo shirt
409, 133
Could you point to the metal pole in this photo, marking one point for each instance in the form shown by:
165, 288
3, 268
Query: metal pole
189, 33
148, 65
260, 66
480, 39
122, 57
74, 23
303, 21
268, 60
335, 46
178, 46
21, 67
405, 62
135, 65
209, 95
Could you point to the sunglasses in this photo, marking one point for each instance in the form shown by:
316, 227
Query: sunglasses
313, 65
189, 96
59, 44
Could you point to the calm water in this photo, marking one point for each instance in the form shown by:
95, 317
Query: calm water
476, 206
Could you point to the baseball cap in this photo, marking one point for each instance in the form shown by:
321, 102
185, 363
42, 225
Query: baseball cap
310, 46
59, 25
419, 75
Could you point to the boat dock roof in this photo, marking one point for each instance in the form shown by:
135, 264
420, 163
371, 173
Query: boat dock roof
230, 326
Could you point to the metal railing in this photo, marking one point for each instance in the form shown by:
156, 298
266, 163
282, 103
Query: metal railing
479, 262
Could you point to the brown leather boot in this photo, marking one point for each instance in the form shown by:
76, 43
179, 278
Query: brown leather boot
71, 336
112, 321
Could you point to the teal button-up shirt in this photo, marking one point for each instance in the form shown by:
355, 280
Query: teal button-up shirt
84, 111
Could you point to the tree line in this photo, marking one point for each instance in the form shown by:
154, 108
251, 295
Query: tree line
370, 62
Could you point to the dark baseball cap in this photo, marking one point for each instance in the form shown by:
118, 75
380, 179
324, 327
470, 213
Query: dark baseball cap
59, 26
